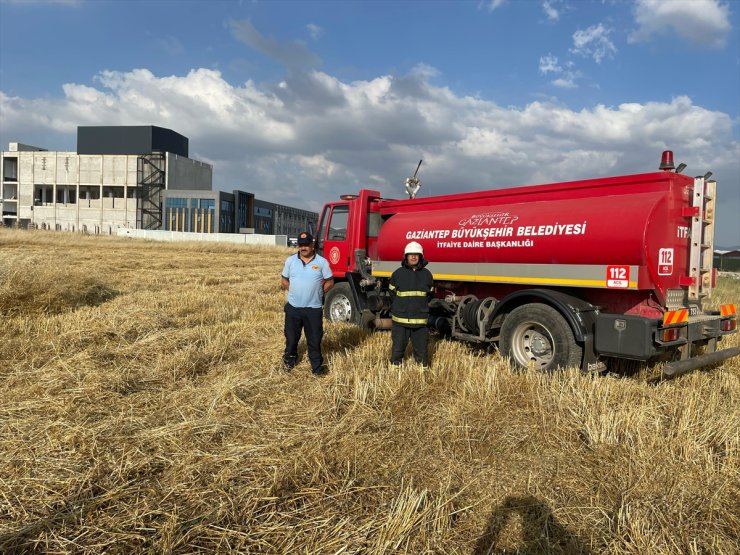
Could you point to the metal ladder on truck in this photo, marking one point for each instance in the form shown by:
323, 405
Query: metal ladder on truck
701, 212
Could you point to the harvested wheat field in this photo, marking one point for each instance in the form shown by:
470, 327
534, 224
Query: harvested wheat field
143, 410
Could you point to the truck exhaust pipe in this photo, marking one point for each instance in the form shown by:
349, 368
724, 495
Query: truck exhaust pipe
673, 369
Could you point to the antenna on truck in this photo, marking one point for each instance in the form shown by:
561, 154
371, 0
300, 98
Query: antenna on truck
413, 183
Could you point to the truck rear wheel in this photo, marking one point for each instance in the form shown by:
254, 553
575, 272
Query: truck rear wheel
536, 334
339, 305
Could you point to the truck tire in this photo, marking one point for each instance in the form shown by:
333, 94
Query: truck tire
339, 305
537, 334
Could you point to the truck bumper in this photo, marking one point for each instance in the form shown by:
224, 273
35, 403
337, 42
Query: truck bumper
638, 338
676, 368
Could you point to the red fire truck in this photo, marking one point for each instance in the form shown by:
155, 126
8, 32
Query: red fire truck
558, 275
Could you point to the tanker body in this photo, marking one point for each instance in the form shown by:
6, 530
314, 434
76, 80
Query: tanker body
557, 275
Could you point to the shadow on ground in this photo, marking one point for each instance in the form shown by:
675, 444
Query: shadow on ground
526, 525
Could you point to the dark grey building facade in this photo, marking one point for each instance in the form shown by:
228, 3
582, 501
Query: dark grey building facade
278, 219
130, 139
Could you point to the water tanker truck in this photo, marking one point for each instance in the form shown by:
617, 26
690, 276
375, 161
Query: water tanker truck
557, 275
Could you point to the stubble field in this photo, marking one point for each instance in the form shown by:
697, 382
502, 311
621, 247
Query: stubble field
143, 410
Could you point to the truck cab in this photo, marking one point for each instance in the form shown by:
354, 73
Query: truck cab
346, 231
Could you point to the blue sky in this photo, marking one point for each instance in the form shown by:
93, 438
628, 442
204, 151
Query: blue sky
302, 101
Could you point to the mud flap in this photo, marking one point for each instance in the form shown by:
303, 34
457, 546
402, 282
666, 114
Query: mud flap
591, 362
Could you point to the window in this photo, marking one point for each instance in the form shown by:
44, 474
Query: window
374, 221
89, 193
10, 169
65, 195
42, 194
324, 221
176, 202
112, 192
338, 224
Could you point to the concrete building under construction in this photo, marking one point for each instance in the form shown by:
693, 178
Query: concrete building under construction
136, 177
115, 179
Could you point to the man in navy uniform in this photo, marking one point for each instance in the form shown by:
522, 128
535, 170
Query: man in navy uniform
307, 278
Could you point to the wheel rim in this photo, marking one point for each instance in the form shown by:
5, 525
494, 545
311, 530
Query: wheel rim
340, 309
532, 343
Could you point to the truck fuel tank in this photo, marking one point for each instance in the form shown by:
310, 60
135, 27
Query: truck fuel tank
634, 239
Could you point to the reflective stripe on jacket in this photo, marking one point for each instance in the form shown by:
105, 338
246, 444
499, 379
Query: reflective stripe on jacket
411, 289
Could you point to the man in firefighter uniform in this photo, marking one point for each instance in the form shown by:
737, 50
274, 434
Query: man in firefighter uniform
307, 278
411, 287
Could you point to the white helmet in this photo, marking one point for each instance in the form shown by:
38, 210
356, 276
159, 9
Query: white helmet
413, 248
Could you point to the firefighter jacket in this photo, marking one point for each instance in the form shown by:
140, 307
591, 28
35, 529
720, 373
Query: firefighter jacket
411, 288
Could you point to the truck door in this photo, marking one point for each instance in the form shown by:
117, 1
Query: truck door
334, 238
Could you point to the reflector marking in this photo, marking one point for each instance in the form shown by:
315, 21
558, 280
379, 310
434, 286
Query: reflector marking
618, 277
516, 279
728, 310
533, 274
676, 317
420, 321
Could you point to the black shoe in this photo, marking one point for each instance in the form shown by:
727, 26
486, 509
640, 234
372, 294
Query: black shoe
289, 364
320, 371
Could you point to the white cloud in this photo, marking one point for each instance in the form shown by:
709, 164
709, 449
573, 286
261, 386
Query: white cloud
316, 137
594, 42
550, 11
492, 5
549, 64
566, 76
314, 30
566, 82
425, 71
701, 22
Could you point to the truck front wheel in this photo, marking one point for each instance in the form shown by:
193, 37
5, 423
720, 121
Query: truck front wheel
339, 305
536, 334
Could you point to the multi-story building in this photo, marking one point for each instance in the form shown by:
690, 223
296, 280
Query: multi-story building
115, 179
207, 211
235, 212
278, 219
134, 177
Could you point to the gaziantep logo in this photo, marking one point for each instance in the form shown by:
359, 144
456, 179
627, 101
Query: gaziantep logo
490, 218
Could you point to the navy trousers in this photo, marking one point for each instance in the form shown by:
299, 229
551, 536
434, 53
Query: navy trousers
400, 336
310, 320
